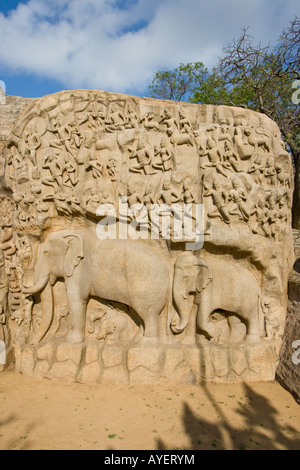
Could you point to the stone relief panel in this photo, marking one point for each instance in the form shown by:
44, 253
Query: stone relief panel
88, 265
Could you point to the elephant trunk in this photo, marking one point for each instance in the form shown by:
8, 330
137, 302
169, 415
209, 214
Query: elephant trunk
38, 287
183, 302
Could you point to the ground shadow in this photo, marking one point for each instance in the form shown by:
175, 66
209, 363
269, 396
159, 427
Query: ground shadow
260, 428
22, 441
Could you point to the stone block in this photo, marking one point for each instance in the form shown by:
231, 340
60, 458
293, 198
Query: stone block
199, 360
90, 373
219, 358
28, 360
65, 371
148, 357
115, 375
70, 351
143, 376
41, 369
173, 358
45, 351
92, 352
237, 360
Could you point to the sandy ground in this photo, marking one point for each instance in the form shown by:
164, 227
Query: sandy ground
40, 414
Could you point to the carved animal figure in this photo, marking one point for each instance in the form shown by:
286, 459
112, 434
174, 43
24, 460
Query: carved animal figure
215, 285
178, 138
257, 138
119, 270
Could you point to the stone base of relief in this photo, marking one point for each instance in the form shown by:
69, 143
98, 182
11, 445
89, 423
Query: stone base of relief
143, 241
91, 362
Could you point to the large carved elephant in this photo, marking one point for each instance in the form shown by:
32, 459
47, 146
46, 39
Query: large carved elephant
119, 270
215, 285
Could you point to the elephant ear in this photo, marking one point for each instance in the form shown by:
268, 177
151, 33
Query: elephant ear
73, 254
204, 276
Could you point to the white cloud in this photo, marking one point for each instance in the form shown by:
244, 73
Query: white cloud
118, 46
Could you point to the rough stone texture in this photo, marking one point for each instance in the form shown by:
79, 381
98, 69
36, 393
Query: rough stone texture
168, 364
288, 370
9, 113
88, 298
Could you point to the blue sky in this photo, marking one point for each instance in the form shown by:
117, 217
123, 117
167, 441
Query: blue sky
52, 45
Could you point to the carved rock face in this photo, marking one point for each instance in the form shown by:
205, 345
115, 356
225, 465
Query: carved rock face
75, 158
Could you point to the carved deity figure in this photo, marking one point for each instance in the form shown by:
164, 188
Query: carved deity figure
95, 167
143, 156
33, 142
257, 169
239, 198
115, 120
214, 157
165, 161
54, 166
219, 198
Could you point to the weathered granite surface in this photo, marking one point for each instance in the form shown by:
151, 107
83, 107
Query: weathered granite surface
288, 370
161, 303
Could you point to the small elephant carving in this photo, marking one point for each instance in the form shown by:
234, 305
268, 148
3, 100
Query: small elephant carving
214, 284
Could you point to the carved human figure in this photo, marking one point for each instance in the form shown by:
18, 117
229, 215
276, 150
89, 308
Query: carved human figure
42, 213
63, 132
184, 124
74, 202
115, 120
257, 169
75, 135
270, 172
260, 223
272, 322
112, 168
61, 204
283, 211
148, 199
222, 132
70, 178
149, 122
94, 166
92, 201
169, 195
168, 120
131, 117
230, 157
54, 166
219, 198
33, 142
238, 196
165, 160
94, 116
143, 157
187, 195
214, 157
21, 170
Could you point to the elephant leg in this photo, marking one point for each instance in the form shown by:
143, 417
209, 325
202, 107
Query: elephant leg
47, 315
252, 329
151, 329
77, 311
203, 322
